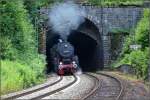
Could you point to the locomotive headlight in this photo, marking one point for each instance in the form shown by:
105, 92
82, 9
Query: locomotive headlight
75, 65
60, 63
74, 62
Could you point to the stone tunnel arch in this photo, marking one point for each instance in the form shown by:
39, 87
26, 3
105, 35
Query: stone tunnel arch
106, 19
88, 46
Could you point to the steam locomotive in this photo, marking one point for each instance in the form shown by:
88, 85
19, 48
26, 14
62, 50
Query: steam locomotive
64, 59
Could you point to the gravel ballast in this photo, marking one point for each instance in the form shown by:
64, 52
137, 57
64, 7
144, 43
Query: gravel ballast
78, 90
65, 80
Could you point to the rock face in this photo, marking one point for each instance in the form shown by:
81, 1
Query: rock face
127, 69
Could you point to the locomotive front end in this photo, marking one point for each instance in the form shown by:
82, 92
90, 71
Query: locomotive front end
65, 61
67, 68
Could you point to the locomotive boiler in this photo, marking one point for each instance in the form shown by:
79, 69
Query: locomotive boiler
64, 58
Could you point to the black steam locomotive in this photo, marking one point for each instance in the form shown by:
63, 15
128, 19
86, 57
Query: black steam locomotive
64, 59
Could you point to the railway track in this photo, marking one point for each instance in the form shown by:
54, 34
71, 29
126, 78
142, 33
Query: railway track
106, 87
109, 88
44, 90
96, 86
85, 84
56, 90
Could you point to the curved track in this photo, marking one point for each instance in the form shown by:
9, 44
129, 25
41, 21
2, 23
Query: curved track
28, 91
57, 90
96, 86
110, 88
82, 87
24, 95
106, 87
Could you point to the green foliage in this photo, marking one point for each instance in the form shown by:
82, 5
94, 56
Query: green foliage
21, 63
13, 73
33, 6
37, 19
116, 2
127, 43
16, 29
139, 58
6, 45
142, 31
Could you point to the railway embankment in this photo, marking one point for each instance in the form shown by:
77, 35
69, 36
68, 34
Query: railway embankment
136, 89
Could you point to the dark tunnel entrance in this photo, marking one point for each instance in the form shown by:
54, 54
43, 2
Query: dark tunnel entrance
87, 43
87, 50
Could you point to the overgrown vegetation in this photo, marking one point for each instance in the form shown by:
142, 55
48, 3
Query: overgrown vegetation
116, 2
138, 59
21, 65
16, 75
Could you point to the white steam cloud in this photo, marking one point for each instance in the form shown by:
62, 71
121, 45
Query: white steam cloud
65, 17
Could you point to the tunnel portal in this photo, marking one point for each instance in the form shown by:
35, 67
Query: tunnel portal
87, 43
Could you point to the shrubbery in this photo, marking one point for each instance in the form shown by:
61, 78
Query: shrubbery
138, 59
116, 2
16, 30
20, 62
16, 76
143, 30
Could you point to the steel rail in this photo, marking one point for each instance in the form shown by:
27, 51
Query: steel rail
22, 93
57, 90
99, 85
96, 86
118, 80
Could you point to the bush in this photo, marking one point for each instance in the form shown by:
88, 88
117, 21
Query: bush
116, 2
16, 30
21, 63
16, 76
143, 29
139, 58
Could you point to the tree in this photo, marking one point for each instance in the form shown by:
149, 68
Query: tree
16, 30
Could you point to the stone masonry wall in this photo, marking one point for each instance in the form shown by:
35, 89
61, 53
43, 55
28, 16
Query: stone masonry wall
112, 19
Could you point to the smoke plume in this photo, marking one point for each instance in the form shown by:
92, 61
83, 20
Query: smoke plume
65, 17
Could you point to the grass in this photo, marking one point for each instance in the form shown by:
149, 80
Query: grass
116, 2
16, 76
